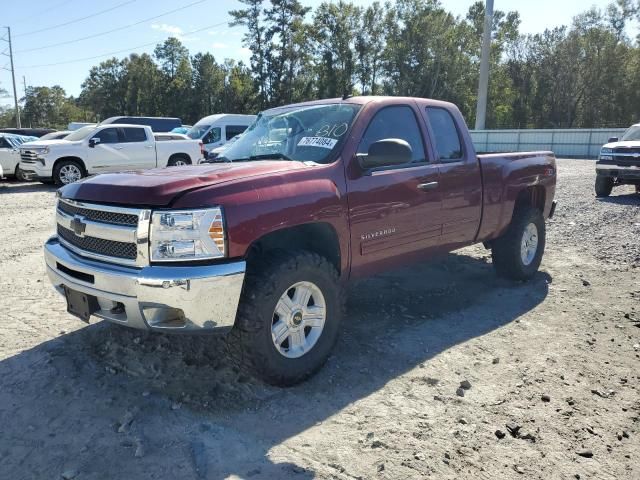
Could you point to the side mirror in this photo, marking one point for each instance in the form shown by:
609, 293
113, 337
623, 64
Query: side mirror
387, 152
93, 142
613, 139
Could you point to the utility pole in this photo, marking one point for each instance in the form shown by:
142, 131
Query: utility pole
26, 117
13, 77
483, 86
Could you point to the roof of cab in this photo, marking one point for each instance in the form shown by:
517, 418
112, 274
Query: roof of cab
359, 100
221, 116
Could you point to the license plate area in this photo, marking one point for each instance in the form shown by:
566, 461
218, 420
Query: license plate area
80, 304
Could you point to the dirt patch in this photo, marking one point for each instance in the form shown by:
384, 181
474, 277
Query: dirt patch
441, 370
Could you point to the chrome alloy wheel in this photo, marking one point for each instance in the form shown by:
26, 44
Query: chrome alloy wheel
69, 174
529, 244
180, 163
298, 319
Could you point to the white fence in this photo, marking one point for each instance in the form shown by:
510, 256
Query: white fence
578, 143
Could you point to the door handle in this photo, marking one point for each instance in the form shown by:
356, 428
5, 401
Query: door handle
118, 148
428, 186
148, 146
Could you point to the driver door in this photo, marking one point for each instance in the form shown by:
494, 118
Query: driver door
109, 154
394, 211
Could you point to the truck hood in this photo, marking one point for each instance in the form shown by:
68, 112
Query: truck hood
158, 187
48, 143
627, 144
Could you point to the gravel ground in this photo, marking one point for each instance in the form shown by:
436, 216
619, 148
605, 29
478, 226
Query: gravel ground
552, 367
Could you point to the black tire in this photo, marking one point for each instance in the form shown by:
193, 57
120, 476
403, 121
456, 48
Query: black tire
250, 341
58, 178
20, 175
179, 160
604, 186
506, 250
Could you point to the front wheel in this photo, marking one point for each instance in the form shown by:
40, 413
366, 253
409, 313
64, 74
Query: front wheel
604, 186
66, 172
518, 253
288, 318
20, 175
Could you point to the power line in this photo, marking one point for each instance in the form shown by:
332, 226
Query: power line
112, 30
121, 51
77, 19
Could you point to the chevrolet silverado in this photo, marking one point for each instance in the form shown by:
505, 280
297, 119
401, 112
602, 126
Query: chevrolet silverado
312, 195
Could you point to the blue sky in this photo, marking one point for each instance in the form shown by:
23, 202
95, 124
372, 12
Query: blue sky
208, 17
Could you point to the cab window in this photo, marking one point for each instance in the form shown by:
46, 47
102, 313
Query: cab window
446, 136
133, 135
212, 136
233, 130
108, 135
395, 122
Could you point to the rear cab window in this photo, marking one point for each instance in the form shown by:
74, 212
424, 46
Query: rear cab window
446, 135
131, 134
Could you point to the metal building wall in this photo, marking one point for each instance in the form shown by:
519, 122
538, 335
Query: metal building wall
577, 143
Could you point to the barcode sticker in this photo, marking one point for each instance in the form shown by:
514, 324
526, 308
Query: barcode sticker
321, 142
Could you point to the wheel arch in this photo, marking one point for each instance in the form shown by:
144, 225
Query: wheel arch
175, 156
78, 160
317, 237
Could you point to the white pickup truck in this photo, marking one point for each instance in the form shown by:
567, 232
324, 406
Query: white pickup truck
101, 149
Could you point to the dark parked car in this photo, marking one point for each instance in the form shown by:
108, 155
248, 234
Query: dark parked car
28, 132
157, 124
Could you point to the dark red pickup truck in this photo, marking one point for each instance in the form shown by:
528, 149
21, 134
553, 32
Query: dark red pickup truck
312, 195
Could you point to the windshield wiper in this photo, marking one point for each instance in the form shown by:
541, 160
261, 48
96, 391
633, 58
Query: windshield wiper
270, 156
266, 156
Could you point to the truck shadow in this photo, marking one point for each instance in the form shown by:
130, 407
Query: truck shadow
14, 186
625, 199
107, 401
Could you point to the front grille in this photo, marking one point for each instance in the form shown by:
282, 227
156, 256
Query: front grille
28, 156
99, 246
627, 150
114, 218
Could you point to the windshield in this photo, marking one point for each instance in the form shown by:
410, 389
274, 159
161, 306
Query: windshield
198, 131
81, 133
632, 134
304, 133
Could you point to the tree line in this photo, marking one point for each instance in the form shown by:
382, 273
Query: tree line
585, 74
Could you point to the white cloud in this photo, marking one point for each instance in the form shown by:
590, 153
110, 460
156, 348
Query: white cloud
172, 29
219, 45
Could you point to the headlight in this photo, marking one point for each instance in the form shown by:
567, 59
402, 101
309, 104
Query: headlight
184, 235
605, 154
40, 150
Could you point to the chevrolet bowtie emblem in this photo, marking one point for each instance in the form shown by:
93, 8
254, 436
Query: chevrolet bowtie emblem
78, 226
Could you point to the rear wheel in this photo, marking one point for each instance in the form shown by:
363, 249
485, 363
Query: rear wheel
604, 186
518, 253
66, 172
288, 318
179, 161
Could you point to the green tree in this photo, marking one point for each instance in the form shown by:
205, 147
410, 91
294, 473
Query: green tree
104, 90
254, 39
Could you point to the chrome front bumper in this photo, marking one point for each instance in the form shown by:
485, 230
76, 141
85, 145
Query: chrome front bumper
184, 298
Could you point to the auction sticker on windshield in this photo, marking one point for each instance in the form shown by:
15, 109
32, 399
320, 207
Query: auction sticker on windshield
321, 142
